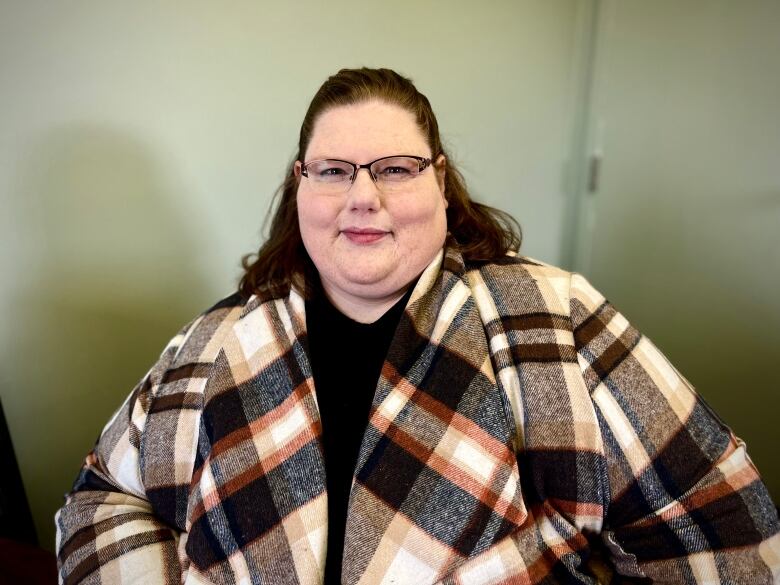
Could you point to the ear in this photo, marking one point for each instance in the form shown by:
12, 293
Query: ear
297, 168
439, 166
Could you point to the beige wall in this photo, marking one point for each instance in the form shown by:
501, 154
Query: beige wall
140, 147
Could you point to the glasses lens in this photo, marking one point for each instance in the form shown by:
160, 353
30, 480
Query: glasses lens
395, 169
330, 172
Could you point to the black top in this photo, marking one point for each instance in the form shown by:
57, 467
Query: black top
346, 360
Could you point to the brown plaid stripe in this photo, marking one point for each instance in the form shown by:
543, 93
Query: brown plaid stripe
521, 432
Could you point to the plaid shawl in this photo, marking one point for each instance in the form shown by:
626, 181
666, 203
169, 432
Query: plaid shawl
522, 432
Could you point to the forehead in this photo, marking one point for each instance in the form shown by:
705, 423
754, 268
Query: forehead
365, 131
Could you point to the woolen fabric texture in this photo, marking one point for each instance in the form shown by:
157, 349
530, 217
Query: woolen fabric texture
522, 431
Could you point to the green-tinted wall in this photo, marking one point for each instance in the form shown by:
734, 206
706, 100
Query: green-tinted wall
140, 145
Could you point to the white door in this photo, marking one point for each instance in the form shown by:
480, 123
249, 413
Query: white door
682, 229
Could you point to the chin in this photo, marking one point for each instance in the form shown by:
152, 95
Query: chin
365, 281
363, 273
369, 285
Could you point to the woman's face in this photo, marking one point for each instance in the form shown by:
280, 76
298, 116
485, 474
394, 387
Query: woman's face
368, 246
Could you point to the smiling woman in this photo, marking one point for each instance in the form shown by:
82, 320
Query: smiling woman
369, 242
394, 395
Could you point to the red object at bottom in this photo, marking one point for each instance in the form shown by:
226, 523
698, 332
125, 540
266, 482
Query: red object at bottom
25, 564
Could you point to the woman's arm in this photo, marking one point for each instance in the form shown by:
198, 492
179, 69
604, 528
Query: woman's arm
107, 531
686, 504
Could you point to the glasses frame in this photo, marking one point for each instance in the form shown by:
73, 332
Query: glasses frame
423, 163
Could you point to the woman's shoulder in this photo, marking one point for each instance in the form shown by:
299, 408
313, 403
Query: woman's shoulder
514, 265
522, 280
203, 335
192, 341
234, 307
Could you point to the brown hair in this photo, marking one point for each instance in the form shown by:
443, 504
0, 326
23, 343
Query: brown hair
478, 231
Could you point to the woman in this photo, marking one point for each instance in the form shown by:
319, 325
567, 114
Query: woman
479, 417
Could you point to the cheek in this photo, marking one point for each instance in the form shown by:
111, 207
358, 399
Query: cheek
423, 213
314, 216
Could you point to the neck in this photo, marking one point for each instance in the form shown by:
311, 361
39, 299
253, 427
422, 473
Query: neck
361, 309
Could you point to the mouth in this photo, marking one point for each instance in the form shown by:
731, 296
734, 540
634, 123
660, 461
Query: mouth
364, 235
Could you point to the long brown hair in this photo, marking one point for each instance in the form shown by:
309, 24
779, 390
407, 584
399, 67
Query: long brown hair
478, 231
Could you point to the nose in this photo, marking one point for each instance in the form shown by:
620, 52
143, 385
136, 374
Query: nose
363, 194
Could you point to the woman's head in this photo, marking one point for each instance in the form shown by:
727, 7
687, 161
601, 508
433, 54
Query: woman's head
480, 232
370, 230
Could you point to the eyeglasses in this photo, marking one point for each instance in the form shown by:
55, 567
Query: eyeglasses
390, 173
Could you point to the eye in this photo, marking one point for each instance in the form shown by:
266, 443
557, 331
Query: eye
395, 171
396, 168
329, 171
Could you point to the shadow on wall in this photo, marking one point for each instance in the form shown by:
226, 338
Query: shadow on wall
109, 273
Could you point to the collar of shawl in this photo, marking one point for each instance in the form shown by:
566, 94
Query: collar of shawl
436, 481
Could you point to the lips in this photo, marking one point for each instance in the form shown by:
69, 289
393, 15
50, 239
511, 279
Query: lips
363, 235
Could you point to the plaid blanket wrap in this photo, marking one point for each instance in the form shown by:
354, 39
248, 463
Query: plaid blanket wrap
521, 432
